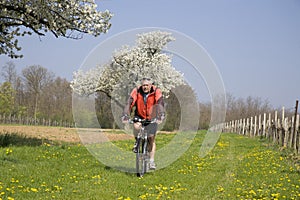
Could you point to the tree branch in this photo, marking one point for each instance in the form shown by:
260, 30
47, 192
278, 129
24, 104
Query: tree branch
112, 98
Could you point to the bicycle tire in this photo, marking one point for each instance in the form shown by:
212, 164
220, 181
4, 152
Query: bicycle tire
145, 156
141, 158
138, 161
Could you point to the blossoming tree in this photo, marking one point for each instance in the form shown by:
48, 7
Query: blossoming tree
128, 66
68, 19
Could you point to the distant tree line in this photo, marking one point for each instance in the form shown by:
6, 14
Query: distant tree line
38, 94
240, 108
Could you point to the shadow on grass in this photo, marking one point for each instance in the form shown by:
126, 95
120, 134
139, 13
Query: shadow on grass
16, 139
128, 171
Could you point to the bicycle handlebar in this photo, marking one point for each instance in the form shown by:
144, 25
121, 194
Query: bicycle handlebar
143, 121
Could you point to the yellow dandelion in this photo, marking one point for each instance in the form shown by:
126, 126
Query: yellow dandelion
275, 195
252, 192
220, 189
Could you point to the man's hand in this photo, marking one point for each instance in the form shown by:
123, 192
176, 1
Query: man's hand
161, 118
125, 119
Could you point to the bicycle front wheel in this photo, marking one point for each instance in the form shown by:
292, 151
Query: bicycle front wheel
141, 158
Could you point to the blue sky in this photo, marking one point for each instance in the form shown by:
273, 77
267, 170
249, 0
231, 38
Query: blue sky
255, 44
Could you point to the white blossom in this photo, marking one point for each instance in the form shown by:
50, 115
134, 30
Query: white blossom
68, 19
129, 66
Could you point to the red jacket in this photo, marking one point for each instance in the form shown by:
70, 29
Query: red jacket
145, 110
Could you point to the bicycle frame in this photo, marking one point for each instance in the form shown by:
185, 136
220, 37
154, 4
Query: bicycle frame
142, 155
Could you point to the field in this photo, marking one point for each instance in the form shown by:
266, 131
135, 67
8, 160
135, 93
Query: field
56, 134
50, 163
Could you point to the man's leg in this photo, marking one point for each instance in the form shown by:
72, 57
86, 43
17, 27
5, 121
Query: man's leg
136, 129
151, 129
152, 149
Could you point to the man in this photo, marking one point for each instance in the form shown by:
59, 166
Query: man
148, 102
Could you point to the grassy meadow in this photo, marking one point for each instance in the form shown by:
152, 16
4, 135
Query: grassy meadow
237, 168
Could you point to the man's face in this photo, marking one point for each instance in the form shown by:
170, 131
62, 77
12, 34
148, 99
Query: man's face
146, 86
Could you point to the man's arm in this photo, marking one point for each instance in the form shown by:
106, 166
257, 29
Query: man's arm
130, 102
127, 107
160, 106
160, 103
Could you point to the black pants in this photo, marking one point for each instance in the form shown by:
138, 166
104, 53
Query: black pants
151, 129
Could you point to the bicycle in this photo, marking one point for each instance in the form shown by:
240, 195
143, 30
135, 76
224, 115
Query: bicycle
142, 154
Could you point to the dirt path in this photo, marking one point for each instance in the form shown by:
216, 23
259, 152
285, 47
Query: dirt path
57, 133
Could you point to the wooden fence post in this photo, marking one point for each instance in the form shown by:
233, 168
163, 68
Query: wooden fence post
295, 127
247, 127
251, 126
255, 127
243, 126
282, 113
275, 135
291, 133
264, 125
269, 126
298, 134
286, 134
280, 132
259, 125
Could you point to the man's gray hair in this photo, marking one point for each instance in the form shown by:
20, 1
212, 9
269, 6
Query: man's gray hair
147, 79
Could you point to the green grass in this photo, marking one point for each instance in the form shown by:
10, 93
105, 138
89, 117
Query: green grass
237, 168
